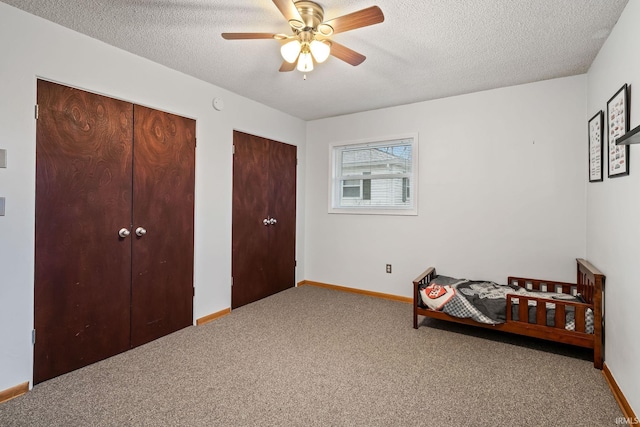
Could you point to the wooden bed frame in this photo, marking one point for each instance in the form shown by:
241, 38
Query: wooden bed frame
590, 284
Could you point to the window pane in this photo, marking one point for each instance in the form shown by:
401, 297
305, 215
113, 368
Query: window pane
385, 192
351, 192
380, 160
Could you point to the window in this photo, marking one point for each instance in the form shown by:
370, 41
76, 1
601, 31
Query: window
375, 177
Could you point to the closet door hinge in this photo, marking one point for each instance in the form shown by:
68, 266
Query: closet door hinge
233, 149
36, 112
33, 337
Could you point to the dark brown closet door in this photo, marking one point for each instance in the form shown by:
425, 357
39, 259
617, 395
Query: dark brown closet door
83, 197
263, 255
163, 205
250, 208
282, 235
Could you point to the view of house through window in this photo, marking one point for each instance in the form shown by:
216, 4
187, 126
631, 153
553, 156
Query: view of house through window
374, 177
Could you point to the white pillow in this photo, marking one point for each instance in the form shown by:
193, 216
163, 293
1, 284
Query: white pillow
436, 296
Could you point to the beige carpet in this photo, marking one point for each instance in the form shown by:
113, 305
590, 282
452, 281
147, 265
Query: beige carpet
316, 357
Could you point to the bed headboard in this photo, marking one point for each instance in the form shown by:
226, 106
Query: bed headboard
590, 281
591, 286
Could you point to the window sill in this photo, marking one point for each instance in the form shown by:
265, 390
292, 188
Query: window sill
370, 211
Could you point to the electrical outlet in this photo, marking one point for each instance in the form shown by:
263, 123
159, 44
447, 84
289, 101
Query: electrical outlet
388, 268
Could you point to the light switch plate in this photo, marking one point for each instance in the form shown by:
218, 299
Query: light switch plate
1, 206
3, 158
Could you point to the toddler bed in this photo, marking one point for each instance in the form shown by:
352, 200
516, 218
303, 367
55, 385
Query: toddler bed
570, 313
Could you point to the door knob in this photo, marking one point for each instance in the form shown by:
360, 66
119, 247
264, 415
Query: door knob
140, 231
272, 221
123, 232
265, 221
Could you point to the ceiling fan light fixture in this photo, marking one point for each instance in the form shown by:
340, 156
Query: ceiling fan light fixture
310, 42
290, 51
305, 62
320, 50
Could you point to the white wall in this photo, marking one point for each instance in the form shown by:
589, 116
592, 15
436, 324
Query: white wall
613, 213
501, 190
30, 48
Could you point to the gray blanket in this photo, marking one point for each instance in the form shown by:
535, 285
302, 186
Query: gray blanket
485, 302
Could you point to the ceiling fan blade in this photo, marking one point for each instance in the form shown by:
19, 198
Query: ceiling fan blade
287, 66
248, 36
347, 55
362, 18
288, 9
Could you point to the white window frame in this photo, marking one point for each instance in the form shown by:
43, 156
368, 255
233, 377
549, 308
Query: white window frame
335, 179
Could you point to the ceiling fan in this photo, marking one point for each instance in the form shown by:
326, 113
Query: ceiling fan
311, 39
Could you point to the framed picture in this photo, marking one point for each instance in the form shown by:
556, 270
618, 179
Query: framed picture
617, 125
595, 147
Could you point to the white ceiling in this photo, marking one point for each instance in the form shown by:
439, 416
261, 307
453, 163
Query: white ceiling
424, 49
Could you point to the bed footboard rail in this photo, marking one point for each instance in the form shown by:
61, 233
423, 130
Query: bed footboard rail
526, 303
424, 278
544, 285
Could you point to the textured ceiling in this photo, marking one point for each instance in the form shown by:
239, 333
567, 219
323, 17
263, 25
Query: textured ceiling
424, 49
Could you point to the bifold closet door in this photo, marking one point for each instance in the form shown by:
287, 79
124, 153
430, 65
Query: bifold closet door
249, 267
114, 227
83, 197
263, 218
162, 231
282, 207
